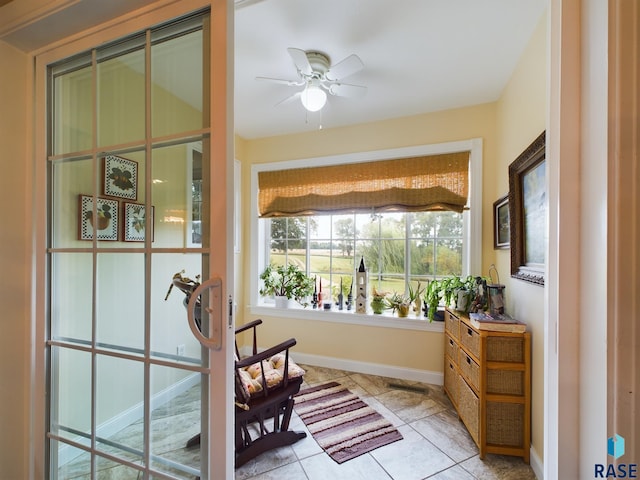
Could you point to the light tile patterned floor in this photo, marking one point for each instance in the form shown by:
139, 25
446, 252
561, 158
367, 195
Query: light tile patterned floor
436, 444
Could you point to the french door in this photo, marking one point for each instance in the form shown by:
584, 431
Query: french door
137, 154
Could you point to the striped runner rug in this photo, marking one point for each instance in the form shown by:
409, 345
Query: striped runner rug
342, 424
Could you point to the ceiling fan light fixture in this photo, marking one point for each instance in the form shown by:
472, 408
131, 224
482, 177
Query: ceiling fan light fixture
313, 98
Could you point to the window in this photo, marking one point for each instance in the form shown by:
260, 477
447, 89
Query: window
399, 248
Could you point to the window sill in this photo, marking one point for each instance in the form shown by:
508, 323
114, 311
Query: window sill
385, 320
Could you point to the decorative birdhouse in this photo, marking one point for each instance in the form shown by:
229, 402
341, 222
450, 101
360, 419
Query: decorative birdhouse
361, 283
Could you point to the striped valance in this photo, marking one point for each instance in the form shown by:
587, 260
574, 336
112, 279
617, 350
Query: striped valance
433, 182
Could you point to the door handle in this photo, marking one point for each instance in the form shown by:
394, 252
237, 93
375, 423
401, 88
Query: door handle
213, 309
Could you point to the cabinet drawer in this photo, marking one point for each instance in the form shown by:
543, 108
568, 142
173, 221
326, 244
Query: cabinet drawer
451, 348
505, 424
451, 380
470, 369
505, 382
505, 349
470, 339
452, 324
469, 408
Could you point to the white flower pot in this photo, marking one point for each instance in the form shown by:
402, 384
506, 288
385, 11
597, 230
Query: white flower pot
281, 302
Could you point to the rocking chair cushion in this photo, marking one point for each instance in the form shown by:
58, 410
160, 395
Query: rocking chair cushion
250, 378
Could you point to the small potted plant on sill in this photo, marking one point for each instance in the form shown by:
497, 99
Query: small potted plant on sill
399, 302
378, 301
287, 282
415, 298
432, 297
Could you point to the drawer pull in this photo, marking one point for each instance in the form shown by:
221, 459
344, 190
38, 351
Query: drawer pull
468, 360
451, 342
469, 332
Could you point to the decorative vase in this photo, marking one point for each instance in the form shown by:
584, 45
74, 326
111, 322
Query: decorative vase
377, 305
281, 301
417, 307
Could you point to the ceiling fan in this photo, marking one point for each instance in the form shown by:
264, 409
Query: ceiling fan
318, 77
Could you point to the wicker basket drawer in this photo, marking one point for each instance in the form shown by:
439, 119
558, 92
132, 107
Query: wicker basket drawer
469, 408
452, 324
469, 369
505, 424
505, 349
451, 381
470, 339
505, 382
451, 348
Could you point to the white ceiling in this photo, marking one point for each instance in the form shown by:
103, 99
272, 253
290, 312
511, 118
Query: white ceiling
419, 56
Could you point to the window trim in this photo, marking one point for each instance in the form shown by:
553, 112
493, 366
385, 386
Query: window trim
473, 236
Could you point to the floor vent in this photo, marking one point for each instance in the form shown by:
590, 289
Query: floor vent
409, 388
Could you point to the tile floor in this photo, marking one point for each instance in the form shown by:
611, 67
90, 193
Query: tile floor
436, 445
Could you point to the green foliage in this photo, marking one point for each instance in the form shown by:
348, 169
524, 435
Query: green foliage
287, 281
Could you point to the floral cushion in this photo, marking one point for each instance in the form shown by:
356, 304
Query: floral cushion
250, 378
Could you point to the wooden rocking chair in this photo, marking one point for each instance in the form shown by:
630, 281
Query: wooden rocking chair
265, 384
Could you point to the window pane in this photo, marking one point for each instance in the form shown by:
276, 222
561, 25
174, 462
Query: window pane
121, 99
176, 77
72, 111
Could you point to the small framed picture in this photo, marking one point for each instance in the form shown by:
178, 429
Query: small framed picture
120, 177
501, 234
135, 222
105, 222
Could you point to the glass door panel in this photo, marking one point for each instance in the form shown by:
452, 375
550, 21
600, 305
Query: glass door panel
73, 113
128, 208
120, 302
71, 297
121, 93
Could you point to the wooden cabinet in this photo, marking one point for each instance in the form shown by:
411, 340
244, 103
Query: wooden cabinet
487, 376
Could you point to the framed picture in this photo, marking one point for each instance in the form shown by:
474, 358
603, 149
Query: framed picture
135, 222
528, 213
105, 223
120, 177
501, 226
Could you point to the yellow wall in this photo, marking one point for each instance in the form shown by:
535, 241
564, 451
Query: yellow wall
15, 196
407, 349
521, 116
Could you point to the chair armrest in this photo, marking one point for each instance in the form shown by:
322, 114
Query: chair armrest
265, 354
249, 325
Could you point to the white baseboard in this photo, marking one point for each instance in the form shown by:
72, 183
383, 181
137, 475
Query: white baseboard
536, 464
112, 426
412, 374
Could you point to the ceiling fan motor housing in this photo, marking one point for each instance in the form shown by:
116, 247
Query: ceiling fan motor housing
319, 62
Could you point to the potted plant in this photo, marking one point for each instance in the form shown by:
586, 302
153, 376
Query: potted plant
415, 298
399, 302
378, 301
432, 296
288, 281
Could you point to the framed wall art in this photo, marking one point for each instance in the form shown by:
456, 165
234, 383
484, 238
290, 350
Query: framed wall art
105, 223
135, 222
120, 177
501, 227
528, 213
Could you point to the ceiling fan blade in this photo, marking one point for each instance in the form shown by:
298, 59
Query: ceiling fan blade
344, 68
300, 60
291, 83
288, 99
347, 90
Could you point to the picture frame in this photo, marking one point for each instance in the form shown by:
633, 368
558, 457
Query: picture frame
120, 177
501, 227
107, 218
135, 222
528, 213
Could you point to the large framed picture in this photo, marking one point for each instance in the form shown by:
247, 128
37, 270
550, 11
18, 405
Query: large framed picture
501, 226
105, 223
120, 177
528, 213
135, 222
